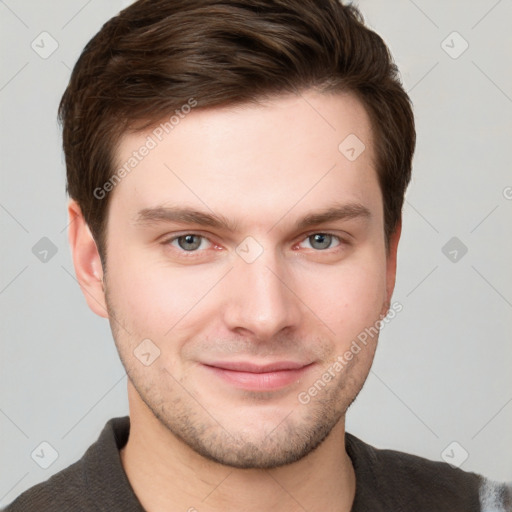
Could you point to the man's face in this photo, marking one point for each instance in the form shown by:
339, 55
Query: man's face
252, 300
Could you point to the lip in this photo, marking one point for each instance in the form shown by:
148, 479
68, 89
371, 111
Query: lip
259, 377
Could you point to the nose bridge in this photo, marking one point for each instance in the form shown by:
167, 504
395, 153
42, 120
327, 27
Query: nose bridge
261, 300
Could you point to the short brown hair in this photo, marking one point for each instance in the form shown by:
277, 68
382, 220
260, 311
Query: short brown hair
157, 54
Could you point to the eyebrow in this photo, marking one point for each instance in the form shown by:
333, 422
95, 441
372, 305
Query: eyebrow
184, 216
203, 218
339, 212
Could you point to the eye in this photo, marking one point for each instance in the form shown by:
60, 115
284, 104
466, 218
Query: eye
322, 241
189, 242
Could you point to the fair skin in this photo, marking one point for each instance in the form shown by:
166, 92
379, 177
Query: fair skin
216, 424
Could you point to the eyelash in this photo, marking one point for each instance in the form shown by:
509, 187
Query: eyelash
190, 254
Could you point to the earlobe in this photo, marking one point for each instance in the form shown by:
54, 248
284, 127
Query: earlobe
86, 260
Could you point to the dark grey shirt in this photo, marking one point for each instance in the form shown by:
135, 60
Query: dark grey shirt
386, 481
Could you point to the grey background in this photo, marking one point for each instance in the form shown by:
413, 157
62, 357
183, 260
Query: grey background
442, 371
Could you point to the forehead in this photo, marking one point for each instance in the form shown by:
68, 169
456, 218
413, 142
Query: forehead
253, 159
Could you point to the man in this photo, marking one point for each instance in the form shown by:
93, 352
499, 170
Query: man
237, 172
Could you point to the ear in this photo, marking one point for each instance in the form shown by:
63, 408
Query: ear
86, 260
391, 261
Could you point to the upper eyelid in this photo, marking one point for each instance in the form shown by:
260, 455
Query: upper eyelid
321, 232
174, 236
303, 237
340, 239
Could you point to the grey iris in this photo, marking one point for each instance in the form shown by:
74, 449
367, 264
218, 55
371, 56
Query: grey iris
320, 241
189, 242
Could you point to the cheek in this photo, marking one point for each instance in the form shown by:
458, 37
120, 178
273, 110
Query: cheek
347, 298
153, 298
161, 302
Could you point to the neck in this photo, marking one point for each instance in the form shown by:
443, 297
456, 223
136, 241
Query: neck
166, 474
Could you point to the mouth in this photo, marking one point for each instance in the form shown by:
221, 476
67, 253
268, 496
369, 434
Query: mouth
259, 377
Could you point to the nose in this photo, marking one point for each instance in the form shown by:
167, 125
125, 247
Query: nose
261, 302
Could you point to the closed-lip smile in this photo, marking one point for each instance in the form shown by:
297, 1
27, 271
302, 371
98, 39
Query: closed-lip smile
259, 376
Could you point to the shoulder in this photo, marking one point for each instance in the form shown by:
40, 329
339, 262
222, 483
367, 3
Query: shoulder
97, 478
65, 490
401, 481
